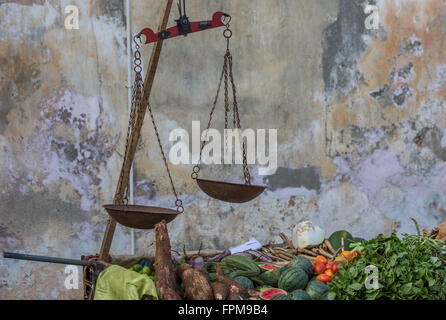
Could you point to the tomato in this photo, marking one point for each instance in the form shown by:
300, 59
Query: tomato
321, 259
355, 253
324, 278
329, 265
319, 268
329, 273
334, 267
347, 255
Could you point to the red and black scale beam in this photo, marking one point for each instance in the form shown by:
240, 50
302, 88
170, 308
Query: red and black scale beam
185, 27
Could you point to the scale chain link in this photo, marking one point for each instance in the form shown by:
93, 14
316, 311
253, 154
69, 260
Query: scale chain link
227, 73
136, 101
178, 202
196, 168
237, 124
136, 98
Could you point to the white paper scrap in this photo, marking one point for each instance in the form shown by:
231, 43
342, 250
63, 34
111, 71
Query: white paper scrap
252, 244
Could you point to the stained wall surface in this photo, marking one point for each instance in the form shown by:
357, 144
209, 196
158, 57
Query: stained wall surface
360, 115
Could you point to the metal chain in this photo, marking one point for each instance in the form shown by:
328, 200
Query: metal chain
237, 124
227, 109
227, 73
136, 100
178, 202
197, 168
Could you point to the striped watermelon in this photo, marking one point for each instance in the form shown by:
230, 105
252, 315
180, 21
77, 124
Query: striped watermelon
244, 281
302, 263
271, 277
281, 297
269, 294
317, 290
300, 294
293, 279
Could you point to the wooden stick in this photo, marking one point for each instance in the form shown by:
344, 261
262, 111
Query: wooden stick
279, 263
307, 252
283, 256
136, 132
330, 247
287, 241
311, 258
324, 253
284, 251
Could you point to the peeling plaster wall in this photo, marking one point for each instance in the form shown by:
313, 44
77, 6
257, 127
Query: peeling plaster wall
360, 114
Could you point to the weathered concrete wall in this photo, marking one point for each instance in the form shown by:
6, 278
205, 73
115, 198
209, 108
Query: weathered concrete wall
360, 117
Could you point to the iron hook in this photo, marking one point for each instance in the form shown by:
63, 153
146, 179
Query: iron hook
226, 16
138, 36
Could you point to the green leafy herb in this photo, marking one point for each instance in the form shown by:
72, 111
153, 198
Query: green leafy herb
411, 268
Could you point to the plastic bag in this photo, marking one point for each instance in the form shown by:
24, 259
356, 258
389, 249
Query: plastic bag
118, 283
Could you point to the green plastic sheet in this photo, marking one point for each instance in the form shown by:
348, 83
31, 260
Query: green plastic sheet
118, 283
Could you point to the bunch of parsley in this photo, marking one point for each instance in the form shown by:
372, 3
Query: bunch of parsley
411, 268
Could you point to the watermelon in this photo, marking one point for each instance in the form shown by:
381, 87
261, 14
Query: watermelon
283, 269
317, 290
257, 280
270, 293
281, 297
300, 294
244, 281
293, 279
302, 263
271, 277
267, 267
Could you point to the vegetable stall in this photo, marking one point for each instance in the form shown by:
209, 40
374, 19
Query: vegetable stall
308, 267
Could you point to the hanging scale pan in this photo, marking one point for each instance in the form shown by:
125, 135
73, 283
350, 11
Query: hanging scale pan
230, 192
142, 217
225, 191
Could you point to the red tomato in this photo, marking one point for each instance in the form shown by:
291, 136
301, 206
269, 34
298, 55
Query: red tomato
334, 267
324, 278
329, 273
319, 268
321, 259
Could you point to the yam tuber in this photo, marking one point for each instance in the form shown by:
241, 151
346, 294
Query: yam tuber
221, 291
196, 286
235, 289
166, 285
